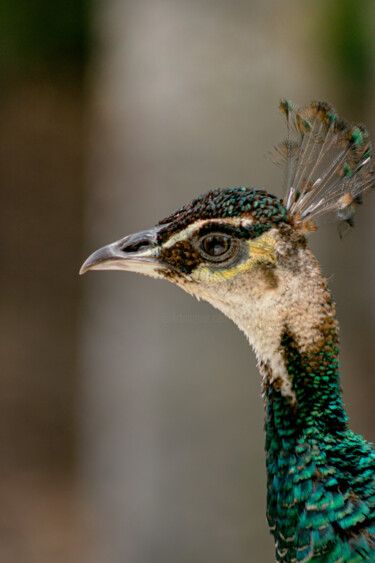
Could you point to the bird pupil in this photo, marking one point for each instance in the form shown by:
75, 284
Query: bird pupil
215, 245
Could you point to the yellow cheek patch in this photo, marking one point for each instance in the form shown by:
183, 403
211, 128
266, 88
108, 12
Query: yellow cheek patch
261, 249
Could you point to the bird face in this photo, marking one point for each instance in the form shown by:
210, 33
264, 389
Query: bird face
207, 246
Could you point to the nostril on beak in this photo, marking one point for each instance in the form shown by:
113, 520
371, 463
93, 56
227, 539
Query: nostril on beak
136, 246
139, 242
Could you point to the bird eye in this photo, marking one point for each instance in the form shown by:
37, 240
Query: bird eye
216, 246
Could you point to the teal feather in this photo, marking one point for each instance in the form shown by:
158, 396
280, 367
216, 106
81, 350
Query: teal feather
320, 485
321, 475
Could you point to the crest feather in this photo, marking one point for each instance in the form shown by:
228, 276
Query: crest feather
328, 163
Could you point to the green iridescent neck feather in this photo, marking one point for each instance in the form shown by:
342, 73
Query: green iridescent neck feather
320, 475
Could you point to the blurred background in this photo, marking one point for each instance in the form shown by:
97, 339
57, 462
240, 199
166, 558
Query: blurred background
131, 423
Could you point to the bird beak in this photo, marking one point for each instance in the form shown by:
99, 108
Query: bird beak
134, 253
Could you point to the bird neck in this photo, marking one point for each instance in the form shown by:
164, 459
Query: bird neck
288, 316
300, 426
304, 419
299, 363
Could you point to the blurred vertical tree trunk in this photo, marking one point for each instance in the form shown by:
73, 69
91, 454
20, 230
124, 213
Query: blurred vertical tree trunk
41, 166
42, 140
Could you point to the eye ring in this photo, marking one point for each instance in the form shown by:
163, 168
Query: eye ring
217, 247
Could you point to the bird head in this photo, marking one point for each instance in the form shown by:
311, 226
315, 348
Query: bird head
213, 247
242, 245
244, 250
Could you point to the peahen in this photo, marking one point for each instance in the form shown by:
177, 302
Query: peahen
244, 251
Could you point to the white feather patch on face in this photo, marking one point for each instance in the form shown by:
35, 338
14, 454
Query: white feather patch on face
197, 225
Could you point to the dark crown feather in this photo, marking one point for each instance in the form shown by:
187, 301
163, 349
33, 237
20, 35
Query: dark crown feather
327, 160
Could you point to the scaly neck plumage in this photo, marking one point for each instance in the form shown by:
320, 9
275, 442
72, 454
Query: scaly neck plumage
298, 425
315, 382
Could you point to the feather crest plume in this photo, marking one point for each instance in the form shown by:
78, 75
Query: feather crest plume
328, 164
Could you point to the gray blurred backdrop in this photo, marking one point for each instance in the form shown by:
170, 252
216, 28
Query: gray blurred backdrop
131, 417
